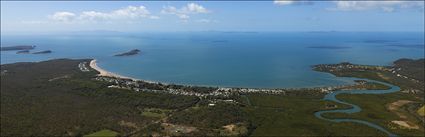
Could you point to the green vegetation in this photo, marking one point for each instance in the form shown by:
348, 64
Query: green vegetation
411, 68
396, 112
210, 116
369, 86
377, 111
34, 103
155, 112
273, 115
103, 133
391, 74
55, 98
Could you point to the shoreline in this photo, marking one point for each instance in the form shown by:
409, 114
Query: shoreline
105, 73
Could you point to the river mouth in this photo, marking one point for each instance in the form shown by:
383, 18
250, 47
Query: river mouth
354, 108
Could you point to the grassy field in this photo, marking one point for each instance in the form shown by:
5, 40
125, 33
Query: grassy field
103, 133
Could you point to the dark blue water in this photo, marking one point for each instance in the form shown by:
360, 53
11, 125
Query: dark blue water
263, 59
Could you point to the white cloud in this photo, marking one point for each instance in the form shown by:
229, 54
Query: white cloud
194, 8
206, 21
93, 16
292, 2
183, 13
63, 16
34, 22
387, 6
183, 16
283, 2
154, 17
123, 14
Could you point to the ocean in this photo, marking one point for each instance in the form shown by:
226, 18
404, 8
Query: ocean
224, 59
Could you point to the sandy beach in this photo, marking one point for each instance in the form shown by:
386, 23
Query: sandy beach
106, 73
110, 74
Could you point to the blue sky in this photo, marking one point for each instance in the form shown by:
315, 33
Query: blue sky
139, 16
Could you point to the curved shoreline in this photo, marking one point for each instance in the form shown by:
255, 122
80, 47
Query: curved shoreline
105, 73
102, 72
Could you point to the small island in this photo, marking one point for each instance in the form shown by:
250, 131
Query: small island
19, 47
23, 52
129, 53
43, 52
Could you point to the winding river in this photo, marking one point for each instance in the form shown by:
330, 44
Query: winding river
354, 108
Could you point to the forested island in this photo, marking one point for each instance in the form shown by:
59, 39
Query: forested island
69, 92
19, 47
129, 53
23, 52
24, 49
43, 52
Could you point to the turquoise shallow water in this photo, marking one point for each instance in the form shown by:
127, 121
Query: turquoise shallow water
228, 59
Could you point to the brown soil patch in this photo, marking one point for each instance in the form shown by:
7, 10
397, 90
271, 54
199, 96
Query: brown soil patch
230, 127
127, 124
175, 129
394, 107
405, 124
383, 77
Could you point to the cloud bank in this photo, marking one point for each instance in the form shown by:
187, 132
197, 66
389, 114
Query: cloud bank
387, 6
183, 12
384, 5
127, 13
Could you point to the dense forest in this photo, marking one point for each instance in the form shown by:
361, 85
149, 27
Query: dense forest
56, 98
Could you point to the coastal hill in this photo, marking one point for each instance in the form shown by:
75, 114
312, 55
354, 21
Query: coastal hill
19, 47
411, 68
129, 53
